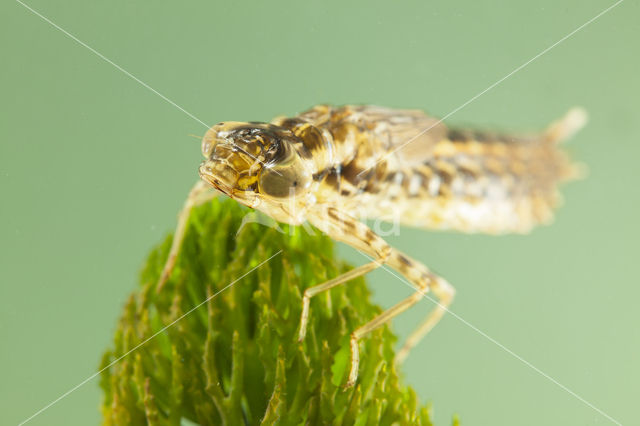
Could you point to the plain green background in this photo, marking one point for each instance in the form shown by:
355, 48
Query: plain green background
94, 167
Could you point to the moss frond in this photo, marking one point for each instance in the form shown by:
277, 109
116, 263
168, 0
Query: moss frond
236, 359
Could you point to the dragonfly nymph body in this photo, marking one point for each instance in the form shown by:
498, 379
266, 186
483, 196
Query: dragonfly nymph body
334, 166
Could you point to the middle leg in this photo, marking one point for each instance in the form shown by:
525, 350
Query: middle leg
423, 281
347, 229
344, 228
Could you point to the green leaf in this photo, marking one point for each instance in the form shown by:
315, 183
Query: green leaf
236, 359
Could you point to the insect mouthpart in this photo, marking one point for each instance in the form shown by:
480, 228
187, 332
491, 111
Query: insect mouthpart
219, 175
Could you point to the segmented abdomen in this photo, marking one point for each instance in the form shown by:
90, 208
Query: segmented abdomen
444, 179
478, 184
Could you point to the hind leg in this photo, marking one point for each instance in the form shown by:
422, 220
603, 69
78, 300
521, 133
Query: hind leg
444, 292
424, 281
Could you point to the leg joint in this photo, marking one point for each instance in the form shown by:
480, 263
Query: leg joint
384, 254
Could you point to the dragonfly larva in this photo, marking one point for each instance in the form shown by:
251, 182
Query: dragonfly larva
334, 166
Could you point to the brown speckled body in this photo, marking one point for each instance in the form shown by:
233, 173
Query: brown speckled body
444, 179
332, 166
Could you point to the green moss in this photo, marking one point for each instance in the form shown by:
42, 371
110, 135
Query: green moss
236, 360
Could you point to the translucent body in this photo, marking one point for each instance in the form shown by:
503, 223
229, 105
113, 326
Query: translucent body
357, 159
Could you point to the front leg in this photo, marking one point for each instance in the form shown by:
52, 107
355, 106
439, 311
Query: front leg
199, 194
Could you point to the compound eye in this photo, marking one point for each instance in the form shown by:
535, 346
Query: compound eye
279, 182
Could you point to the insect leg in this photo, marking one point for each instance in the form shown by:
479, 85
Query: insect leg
378, 321
317, 289
349, 230
444, 292
199, 194
424, 281
344, 228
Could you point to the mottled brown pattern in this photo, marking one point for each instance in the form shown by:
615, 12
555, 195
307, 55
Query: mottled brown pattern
332, 166
362, 163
